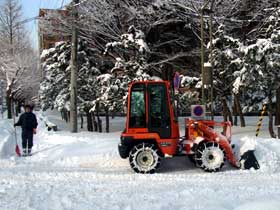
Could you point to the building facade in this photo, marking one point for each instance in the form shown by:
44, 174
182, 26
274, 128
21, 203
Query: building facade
52, 28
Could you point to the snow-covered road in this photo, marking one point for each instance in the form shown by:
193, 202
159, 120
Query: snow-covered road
84, 171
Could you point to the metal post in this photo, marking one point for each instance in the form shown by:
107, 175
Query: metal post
260, 120
74, 72
202, 54
202, 48
211, 59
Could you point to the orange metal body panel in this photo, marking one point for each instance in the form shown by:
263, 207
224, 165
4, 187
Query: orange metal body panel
166, 146
202, 128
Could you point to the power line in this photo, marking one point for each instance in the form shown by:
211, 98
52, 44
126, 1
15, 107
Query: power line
56, 4
62, 3
26, 21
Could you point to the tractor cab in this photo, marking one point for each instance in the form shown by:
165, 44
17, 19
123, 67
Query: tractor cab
151, 120
150, 110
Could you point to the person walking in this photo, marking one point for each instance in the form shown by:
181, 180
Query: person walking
28, 123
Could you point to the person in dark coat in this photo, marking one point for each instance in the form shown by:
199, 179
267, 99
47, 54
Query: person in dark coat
28, 123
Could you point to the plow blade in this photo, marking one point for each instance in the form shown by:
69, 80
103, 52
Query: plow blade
248, 160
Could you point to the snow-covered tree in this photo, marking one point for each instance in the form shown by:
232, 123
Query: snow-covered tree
188, 93
260, 73
226, 61
130, 54
14, 52
54, 90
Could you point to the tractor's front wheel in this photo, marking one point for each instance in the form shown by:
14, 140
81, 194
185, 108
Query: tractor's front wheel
210, 156
144, 158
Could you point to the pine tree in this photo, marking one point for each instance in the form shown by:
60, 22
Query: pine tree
260, 73
226, 61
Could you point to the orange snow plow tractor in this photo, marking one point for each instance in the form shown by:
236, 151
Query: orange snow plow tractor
152, 133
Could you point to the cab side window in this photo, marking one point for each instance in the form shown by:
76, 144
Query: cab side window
158, 110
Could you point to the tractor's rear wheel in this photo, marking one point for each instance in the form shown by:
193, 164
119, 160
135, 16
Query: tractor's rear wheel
144, 158
210, 156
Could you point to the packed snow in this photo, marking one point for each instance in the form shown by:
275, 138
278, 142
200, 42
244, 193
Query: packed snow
84, 171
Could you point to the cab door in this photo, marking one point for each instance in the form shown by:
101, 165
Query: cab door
159, 113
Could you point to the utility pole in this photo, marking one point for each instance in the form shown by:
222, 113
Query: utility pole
205, 74
74, 71
211, 58
202, 49
1, 97
202, 52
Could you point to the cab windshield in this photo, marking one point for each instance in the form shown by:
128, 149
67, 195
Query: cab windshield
137, 107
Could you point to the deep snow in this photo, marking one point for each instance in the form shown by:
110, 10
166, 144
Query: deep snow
84, 171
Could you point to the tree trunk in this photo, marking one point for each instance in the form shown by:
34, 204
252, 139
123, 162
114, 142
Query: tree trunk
270, 115
230, 115
99, 121
15, 111
9, 106
113, 114
94, 122
107, 120
234, 112
89, 121
224, 109
277, 115
18, 111
239, 110
66, 116
99, 125
82, 121
226, 114
167, 72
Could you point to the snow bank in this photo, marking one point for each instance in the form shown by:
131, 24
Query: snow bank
267, 151
268, 154
7, 139
244, 144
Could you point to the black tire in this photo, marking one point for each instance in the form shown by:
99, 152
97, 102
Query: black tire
210, 157
144, 158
